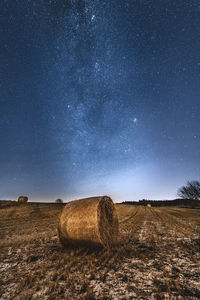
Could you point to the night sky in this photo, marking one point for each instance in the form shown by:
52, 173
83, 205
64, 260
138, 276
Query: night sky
99, 97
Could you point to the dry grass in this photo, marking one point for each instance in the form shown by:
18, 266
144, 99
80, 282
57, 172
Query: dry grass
158, 256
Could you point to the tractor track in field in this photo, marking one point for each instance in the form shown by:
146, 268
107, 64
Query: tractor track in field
165, 248
157, 257
181, 242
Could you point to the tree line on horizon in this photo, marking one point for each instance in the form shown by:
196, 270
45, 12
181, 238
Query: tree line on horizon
189, 195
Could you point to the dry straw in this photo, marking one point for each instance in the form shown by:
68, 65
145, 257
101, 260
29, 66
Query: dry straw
90, 221
22, 199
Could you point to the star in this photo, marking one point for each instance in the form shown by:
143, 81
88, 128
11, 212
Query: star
135, 120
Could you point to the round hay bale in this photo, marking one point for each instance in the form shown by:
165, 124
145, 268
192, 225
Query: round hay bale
22, 199
89, 222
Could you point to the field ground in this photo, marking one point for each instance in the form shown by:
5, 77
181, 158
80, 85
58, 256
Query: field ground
158, 256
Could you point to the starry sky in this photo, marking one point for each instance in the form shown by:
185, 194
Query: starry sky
99, 97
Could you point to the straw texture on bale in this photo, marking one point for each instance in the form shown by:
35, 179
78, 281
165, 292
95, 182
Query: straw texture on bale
23, 199
148, 205
89, 221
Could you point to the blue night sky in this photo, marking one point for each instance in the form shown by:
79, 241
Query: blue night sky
99, 97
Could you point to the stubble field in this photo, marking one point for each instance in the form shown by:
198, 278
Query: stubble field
158, 256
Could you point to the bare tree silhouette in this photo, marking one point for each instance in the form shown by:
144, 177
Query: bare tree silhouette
190, 191
59, 201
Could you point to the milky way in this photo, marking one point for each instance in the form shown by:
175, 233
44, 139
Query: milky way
99, 97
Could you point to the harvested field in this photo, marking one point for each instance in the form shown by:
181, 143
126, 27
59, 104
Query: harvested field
158, 256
